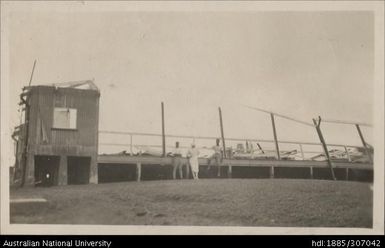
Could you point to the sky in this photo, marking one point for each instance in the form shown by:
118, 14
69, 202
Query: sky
301, 64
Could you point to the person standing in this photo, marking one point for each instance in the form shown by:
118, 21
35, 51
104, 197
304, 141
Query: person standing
193, 154
177, 161
217, 157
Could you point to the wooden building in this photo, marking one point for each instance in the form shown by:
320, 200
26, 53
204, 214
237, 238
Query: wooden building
58, 142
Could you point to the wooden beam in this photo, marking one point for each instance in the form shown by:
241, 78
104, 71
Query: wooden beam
365, 145
163, 134
222, 133
275, 136
280, 115
318, 128
347, 122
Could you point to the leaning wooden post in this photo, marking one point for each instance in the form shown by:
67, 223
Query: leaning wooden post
275, 136
318, 128
364, 143
163, 134
347, 154
222, 133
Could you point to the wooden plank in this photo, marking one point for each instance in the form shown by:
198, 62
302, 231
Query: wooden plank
311, 172
230, 171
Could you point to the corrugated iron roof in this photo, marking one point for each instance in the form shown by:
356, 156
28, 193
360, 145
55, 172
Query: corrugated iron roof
85, 85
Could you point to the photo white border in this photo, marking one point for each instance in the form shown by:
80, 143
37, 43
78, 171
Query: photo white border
97, 6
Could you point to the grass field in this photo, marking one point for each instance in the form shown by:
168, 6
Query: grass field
225, 202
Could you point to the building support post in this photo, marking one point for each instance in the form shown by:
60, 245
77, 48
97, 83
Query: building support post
94, 177
30, 170
318, 128
63, 170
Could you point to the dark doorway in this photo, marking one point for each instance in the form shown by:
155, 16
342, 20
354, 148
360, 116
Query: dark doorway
46, 170
78, 170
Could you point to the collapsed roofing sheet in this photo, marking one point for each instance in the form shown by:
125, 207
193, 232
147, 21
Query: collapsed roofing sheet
84, 85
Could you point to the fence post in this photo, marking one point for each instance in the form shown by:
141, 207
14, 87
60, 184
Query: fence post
302, 154
222, 132
347, 154
317, 126
271, 172
275, 136
138, 171
163, 133
364, 143
131, 153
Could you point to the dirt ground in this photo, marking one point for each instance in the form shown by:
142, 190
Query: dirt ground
206, 202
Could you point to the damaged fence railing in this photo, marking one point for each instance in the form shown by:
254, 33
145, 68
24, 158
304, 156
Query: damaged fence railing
236, 148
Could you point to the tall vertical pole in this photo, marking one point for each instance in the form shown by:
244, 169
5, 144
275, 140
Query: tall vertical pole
26, 140
222, 133
321, 137
163, 134
33, 70
275, 136
131, 153
364, 143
